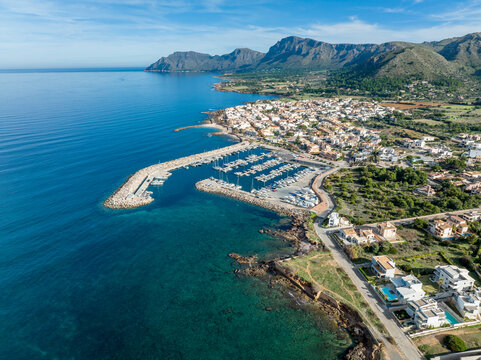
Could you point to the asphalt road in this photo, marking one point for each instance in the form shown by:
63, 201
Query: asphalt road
405, 348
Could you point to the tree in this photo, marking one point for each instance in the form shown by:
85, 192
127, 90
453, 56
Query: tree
454, 163
454, 343
420, 223
440, 284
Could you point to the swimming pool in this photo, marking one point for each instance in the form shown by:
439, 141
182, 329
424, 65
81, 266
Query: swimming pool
451, 319
391, 296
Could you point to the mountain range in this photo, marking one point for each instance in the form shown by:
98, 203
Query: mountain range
455, 57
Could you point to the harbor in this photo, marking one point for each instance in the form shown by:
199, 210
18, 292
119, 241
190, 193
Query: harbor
134, 191
245, 171
217, 187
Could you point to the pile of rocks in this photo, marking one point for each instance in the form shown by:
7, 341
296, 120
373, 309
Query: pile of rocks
211, 186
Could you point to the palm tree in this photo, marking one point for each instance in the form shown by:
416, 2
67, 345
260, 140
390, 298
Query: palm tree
440, 284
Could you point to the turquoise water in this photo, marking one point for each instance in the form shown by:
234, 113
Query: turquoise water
451, 319
78, 281
391, 296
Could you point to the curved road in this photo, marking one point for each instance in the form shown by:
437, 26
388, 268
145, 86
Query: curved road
405, 348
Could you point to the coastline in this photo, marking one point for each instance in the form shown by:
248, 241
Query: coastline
365, 346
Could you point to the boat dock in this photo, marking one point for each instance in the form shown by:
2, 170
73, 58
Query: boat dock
222, 188
133, 192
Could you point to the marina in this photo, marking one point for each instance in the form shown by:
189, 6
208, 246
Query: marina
134, 191
274, 175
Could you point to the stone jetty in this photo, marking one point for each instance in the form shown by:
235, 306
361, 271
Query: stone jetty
133, 192
278, 206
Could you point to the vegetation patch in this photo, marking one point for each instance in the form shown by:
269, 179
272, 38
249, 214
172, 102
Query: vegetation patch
320, 269
370, 194
432, 345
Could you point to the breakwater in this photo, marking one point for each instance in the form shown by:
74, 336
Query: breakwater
133, 192
205, 125
278, 206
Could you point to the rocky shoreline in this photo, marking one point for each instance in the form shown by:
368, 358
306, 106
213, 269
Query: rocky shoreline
211, 186
365, 348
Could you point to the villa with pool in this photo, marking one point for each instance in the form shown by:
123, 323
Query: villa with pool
457, 302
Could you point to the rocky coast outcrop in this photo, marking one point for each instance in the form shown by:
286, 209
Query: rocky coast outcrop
366, 347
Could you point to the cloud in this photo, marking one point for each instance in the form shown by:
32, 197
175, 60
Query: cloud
393, 10
137, 32
467, 11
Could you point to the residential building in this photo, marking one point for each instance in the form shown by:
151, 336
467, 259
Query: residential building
349, 234
388, 154
471, 216
440, 228
367, 235
460, 226
419, 143
469, 304
426, 190
334, 219
408, 288
426, 313
453, 278
474, 188
441, 152
474, 153
387, 230
383, 266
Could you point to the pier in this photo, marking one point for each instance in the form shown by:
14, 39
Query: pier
212, 186
133, 192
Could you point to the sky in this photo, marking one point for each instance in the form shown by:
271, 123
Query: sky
135, 33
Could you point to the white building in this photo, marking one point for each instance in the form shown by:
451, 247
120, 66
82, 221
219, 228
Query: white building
350, 235
474, 153
383, 266
388, 154
440, 228
453, 278
419, 143
426, 313
441, 151
408, 288
471, 216
469, 304
336, 220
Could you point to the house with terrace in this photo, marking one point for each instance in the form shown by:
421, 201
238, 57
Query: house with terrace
387, 230
408, 288
426, 313
453, 278
349, 235
383, 266
441, 229
469, 304
459, 225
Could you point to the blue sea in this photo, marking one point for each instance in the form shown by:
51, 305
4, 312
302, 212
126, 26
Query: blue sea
78, 281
